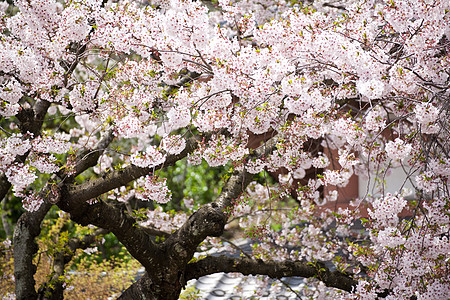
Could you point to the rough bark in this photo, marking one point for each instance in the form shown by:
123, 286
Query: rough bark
140, 290
139, 241
116, 219
90, 158
25, 232
31, 119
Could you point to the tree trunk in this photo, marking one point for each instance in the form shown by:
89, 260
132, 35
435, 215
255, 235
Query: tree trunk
148, 289
25, 232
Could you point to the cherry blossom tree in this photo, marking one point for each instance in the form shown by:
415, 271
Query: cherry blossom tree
99, 98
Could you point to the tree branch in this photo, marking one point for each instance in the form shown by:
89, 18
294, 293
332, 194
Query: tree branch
140, 290
31, 120
113, 216
246, 266
81, 193
211, 218
89, 158
239, 181
28, 228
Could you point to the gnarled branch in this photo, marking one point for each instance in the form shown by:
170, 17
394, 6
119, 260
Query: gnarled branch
273, 269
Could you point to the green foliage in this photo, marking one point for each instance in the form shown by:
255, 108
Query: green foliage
190, 293
57, 229
6, 270
12, 209
101, 280
102, 274
196, 182
256, 232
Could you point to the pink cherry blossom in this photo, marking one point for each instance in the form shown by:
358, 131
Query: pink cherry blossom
154, 189
150, 158
320, 114
173, 144
386, 209
398, 149
20, 176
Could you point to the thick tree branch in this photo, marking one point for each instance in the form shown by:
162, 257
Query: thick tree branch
246, 266
210, 219
89, 158
28, 228
31, 120
83, 243
25, 232
140, 290
115, 218
114, 179
239, 181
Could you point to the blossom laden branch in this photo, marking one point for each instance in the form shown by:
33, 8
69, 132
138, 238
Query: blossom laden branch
115, 179
370, 83
239, 180
89, 158
211, 218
